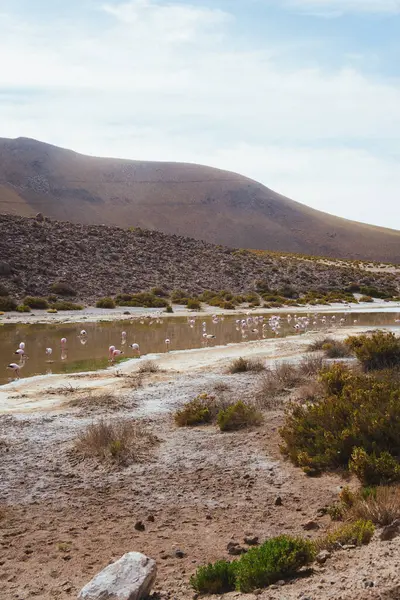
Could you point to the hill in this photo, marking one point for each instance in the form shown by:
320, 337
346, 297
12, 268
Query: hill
185, 199
100, 260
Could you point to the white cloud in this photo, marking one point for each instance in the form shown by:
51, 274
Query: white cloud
338, 7
168, 82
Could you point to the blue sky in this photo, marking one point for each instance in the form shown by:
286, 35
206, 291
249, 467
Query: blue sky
302, 95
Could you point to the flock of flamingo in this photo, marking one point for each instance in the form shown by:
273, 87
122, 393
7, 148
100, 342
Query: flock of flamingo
256, 326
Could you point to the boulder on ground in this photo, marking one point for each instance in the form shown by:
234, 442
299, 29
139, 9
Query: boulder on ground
129, 578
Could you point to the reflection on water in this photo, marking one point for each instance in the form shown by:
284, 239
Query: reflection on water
89, 350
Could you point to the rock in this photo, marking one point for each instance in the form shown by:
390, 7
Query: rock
278, 501
311, 526
235, 549
251, 541
139, 526
151, 518
39, 218
390, 531
130, 578
179, 553
323, 556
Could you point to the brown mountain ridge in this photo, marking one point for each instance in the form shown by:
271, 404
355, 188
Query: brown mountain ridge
177, 198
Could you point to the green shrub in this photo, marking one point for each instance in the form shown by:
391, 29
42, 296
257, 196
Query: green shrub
193, 304
36, 302
195, 412
336, 349
243, 365
380, 350
238, 416
62, 289
52, 298
145, 299
358, 533
7, 304
158, 291
169, 309
52, 311
276, 559
105, 303
372, 469
227, 305
217, 578
23, 308
366, 299
65, 305
355, 411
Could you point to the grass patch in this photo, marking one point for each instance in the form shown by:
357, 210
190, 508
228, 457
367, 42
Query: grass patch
238, 416
245, 365
380, 505
120, 442
149, 366
66, 305
105, 303
358, 533
217, 578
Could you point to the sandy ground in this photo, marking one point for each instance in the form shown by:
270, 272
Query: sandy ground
95, 315
62, 518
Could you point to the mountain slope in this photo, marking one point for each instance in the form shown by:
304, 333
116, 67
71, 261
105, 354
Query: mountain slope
185, 199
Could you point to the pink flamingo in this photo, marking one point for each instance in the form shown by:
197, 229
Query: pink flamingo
110, 352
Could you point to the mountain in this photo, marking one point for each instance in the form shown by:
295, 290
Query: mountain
177, 198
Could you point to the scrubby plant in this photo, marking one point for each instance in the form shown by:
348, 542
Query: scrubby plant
238, 416
278, 558
373, 469
36, 302
195, 412
243, 365
149, 366
217, 578
169, 309
380, 350
381, 505
193, 304
65, 305
23, 308
105, 303
62, 289
141, 299
366, 299
358, 533
52, 311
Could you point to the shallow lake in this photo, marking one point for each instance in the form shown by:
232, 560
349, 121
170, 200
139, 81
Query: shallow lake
90, 352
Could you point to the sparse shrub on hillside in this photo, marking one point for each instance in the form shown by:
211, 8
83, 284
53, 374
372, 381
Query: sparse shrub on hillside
366, 299
217, 578
238, 416
149, 366
169, 309
36, 302
380, 350
62, 289
23, 308
65, 305
355, 424
105, 303
195, 412
193, 304
121, 442
141, 299
243, 365
159, 291
332, 348
381, 505
358, 533
227, 305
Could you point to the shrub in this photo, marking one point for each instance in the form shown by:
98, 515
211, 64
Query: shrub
105, 303
149, 366
193, 304
358, 533
145, 299
243, 365
356, 420
195, 412
169, 309
380, 505
336, 349
217, 578
160, 292
319, 344
276, 559
238, 416
52, 311
380, 350
120, 441
366, 299
62, 289
23, 308
65, 305
36, 302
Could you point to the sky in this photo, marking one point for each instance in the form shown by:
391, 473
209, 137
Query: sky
301, 95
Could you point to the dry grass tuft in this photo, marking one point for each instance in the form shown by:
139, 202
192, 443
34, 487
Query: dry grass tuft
310, 366
381, 506
318, 344
221, 387
149, 366
121, 442
134, 381
244, 365
105, 401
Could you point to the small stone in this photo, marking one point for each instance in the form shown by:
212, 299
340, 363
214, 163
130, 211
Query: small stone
251, 540
235, 549
368, 584
390, 531
349, 547
39, 218
179, 553
151, 518
323, 556
278, 501
311, 526
139, 526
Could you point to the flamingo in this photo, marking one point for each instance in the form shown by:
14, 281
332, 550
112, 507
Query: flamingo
63, 342
83, 333
110, 352
16, 368
22, 346
20, 352
167, 344
135, 348
115, 354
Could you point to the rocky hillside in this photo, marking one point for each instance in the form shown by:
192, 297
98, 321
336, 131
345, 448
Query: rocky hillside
184, 199
100, 260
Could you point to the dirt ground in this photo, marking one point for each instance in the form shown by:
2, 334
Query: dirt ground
62, 519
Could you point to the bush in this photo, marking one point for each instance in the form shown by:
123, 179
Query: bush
62, 289
358, 533
366, 299
380, 350
193, 304
105, 303
149, 366
217, 578
120, 441
195, 412
142, 299
36, 302
169, 309
336, 349
356, 423
23, 308
276, 559
380, 505
65, 305
238, 416
243, 365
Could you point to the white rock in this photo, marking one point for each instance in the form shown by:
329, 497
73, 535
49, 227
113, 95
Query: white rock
130, 578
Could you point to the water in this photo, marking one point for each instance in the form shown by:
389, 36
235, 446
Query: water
89, 353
